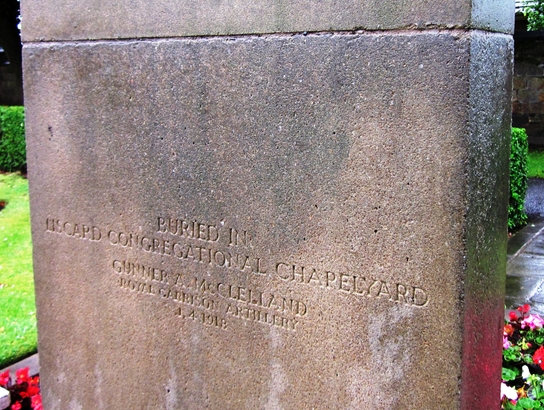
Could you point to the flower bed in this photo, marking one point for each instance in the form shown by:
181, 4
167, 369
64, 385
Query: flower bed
523, 361
24, 392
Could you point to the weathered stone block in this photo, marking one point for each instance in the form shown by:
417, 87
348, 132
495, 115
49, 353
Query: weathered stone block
517, 107
527, 69
527, 96
520, 82
535, 83
270, 222
95, 19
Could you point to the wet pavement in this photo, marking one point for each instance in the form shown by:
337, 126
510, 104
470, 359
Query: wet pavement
525, 267
534, 200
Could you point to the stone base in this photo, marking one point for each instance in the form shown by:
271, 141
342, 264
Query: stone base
270, 222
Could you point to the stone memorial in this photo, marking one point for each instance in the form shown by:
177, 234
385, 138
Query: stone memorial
269, 204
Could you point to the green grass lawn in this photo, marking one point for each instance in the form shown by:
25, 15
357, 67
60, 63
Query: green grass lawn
535, 163
18, 335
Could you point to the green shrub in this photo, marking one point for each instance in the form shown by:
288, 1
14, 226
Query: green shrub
12, 138
519, 150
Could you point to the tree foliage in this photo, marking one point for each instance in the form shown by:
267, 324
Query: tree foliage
534, 11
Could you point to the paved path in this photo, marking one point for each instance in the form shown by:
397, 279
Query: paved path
525, 268
534, 201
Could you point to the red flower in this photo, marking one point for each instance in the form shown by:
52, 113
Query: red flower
37, 402
16, 406
4, 379
524, 309
538, 357
30, 391
513, 316
22, 375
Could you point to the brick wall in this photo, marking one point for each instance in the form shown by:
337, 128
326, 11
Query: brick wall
528, 93
11, 88
11, 92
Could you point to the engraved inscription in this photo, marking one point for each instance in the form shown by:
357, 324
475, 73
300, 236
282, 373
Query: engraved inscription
217, 247
202, 231
188, 229
213, 303
354, 284
73, 229
198, 253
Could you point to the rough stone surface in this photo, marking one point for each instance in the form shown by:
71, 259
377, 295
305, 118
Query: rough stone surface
96, 19
484, 231
270, 222
495, 15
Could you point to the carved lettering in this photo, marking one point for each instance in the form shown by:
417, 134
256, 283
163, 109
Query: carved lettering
137, 286
205, 318
73, 229
216, 246
352, 284
188, 229
140, 271
238, 238
254, 315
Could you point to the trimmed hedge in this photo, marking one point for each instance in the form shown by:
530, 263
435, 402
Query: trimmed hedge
12, 139
519, 151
